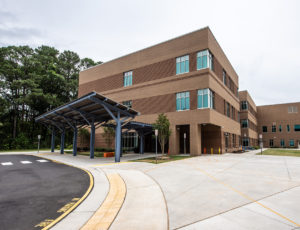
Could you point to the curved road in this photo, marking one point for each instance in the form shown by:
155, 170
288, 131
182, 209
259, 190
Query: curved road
35, 191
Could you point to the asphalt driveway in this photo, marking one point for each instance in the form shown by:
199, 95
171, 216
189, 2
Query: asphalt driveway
35, 191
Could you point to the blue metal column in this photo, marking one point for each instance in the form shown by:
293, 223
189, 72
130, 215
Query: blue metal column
92, 139
142, 140
118, 135
62, 141
75, 142
53, 140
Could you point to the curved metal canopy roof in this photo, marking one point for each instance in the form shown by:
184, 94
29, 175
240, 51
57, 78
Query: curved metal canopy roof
88, 109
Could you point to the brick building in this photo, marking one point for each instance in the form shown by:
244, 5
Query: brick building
190, 79
279, 124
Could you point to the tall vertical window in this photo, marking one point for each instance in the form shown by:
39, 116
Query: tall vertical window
244, 123
228, 109
292, 143
265, 129
183, 101
128, 78
273, 128
280, 128
288, 128
204, 60
282, 142
271, 142
205, 99
224, 77
244, 105
127, 103
182, 64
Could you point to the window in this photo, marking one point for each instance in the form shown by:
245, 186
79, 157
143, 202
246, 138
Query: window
224, 77
265, 129
271, 143
127, 103
233, 140
282, 142
232, 112
204, 60
228, 109
244, 105
182, 64
245, 142
280, 128
183, 101
273, 128
205, 98
128, 78
292, 143
293, 109
296, 128
244, 123
288, 128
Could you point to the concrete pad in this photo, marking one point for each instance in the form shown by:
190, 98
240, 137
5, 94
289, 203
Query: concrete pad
144, 206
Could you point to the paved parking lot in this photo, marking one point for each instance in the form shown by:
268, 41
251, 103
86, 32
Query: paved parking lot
34, 191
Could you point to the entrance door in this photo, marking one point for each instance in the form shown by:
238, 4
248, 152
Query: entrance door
184, 138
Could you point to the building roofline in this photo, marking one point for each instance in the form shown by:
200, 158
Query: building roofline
288, 103
151, 46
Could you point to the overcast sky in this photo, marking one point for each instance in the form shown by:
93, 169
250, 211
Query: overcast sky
260, 38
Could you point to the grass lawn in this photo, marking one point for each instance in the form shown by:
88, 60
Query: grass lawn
281, 152
171, 158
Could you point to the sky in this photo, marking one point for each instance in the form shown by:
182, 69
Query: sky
260, 38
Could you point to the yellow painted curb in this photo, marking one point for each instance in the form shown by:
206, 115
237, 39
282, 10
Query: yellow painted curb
105, 215
54, 222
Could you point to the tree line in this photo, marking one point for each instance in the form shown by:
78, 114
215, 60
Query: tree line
34, 81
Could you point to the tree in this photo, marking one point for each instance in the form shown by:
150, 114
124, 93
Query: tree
162, 124
32, 82
108, 135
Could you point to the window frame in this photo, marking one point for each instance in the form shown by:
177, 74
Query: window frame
210, 98
297, 129
127, 78
205, 54
266, 130
179, 97
273, 128
292, 141
242, 123
185, 59
271, 141
127, 103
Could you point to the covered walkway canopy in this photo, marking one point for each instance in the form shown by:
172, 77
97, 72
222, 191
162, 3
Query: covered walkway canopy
92, 110
141, 128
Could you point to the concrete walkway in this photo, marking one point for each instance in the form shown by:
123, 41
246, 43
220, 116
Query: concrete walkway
228, 191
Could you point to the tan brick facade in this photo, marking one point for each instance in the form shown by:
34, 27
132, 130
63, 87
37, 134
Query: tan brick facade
279, 115
155, 85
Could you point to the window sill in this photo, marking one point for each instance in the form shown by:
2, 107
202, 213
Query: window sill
182, 110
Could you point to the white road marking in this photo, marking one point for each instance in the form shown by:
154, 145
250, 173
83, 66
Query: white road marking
7, 163
42, 161
26, 162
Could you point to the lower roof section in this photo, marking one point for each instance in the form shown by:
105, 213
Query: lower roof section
86, 110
